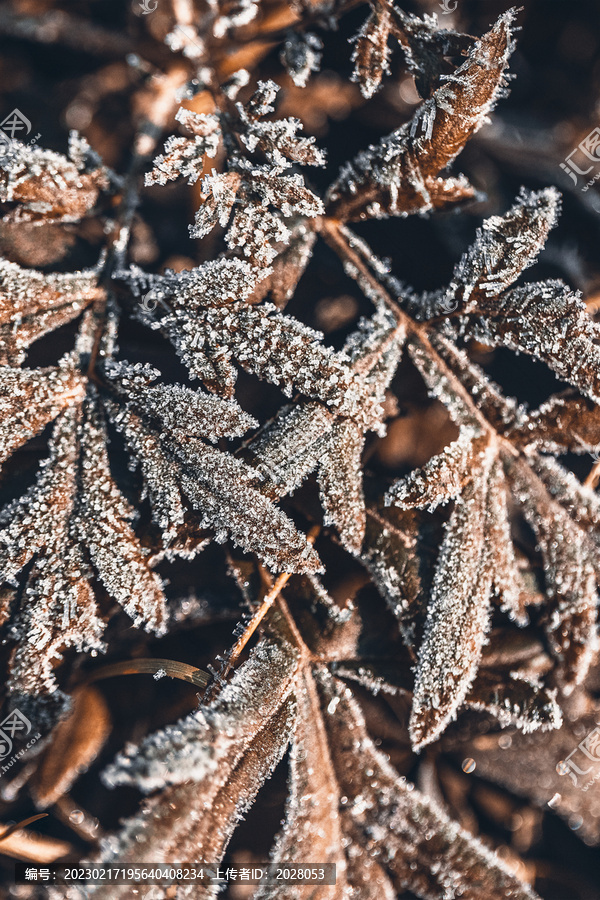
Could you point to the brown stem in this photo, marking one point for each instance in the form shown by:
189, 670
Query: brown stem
149, 666
161, 111
333, 233
19, 825
267, 602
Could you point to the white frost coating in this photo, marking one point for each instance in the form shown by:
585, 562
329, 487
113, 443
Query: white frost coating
165, 429
257, 194
442, 478
504, 247
310, 437
61, 610
301, 55
394, 170
458, 615
196, 748
549, 321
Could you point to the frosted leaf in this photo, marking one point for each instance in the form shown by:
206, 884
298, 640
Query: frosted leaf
580, 501
428, 49
340, 481
570, 621
501, 412
516, 701
101, 521
288, 450
372, 53
160, 478
506, 577
196, 748
398, 176
219, 487
208, 333
287, 268
61, 613
504, 247
218, 196
180, 411
49, 500
48, 187
312, 826
60, 610
389, 555
226, 749
257, 232
288, 193
264, 198
565, 422
301, 55
30, 398
276, 348
262, 101
212, 284
184, 157
415, 843
550, 322
443, 385
29, 293
307, 437
71, 519
458, 616
279, 141
444, 476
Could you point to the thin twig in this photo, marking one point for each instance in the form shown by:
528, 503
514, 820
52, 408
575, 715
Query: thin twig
267, 602
334, 233
19, 825
149, 666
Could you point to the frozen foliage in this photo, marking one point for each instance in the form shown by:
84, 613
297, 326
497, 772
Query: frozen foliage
505, 246
72, 519
371, 54
209, 333
307, 437
184, 157
426, 48
301, 55
30, 398
378, 830
479, 613
33, 304
47, 186
264, 197
400, 175
164, 428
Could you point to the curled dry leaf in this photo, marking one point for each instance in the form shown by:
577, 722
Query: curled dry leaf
75, 744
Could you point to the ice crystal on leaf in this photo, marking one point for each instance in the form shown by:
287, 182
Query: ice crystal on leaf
301, 55
264, 197
377, 829
400, 175
471, 590
164, 427
49, 187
